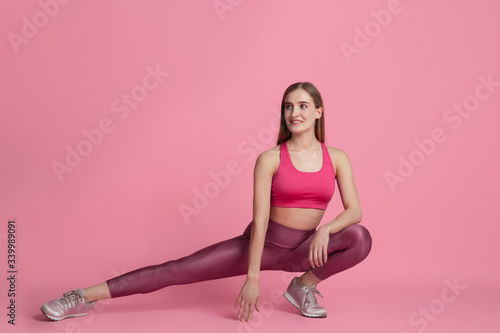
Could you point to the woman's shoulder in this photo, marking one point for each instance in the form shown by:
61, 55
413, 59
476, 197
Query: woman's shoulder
338, 156
334, 150
271, 152
270, 158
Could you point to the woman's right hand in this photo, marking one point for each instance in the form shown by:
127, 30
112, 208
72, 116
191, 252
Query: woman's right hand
247, 300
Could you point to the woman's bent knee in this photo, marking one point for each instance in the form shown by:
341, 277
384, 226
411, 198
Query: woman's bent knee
361, 238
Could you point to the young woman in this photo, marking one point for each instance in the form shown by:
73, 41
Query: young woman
293, 184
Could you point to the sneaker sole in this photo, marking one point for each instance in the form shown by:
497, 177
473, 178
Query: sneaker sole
292, 301
61, 318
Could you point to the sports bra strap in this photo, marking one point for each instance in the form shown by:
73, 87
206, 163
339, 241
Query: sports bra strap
326, 154
284, 156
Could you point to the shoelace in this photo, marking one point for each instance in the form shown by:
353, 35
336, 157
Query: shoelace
69, 298
311, 297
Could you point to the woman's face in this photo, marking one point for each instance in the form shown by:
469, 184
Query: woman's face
300, 112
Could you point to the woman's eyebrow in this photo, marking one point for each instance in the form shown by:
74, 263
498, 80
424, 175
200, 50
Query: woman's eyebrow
298, 102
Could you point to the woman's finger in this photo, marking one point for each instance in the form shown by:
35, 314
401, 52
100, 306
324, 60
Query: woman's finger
319, 260
250, 312
320, 257
240, 310
245, 313
315, 257
311, 261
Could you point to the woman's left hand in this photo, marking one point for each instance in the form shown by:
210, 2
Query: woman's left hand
318, 253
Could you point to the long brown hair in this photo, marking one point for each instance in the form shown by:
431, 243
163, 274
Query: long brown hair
319, 127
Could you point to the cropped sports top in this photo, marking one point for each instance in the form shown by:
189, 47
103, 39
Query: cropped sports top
294, 188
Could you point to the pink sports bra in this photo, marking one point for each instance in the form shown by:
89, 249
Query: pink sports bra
293, 188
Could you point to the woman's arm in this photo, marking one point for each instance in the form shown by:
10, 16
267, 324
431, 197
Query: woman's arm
351, 214
348, 195
263, 174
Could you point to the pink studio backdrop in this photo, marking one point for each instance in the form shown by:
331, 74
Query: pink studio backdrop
115, 114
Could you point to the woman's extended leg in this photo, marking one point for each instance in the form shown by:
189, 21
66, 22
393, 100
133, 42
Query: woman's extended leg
223, 259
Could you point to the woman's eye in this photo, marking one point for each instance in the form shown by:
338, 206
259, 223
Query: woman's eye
303, 106
287, 107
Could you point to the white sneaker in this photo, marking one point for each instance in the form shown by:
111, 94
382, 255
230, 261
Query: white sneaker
72, 304
304, 299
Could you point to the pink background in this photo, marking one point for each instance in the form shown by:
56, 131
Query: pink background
119, 209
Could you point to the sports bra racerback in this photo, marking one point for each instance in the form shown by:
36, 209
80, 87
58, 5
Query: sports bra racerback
293, 188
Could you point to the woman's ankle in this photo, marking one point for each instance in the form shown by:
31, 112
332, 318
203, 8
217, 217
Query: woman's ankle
308, 279
97, 292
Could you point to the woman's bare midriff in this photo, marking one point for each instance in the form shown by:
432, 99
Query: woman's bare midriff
297, 218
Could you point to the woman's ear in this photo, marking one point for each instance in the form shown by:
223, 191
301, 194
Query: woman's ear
319, 112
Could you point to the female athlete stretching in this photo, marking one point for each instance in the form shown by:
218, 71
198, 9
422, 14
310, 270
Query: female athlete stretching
293, 184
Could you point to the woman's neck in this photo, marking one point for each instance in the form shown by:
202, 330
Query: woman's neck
303, 142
